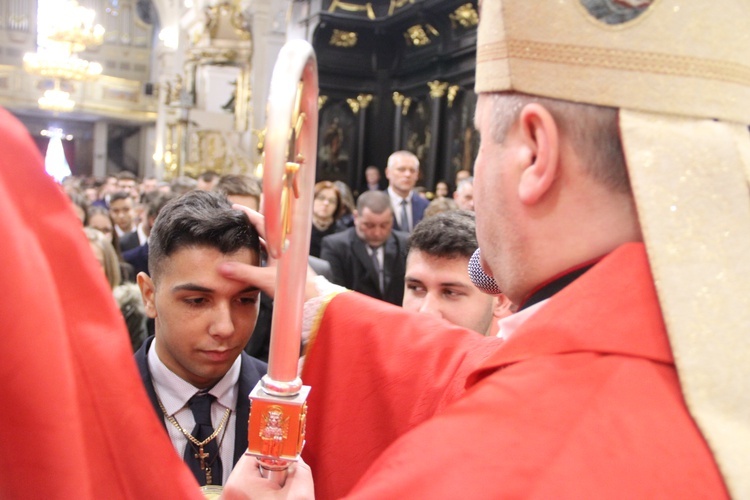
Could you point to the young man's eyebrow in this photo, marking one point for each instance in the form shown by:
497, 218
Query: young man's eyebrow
191, 287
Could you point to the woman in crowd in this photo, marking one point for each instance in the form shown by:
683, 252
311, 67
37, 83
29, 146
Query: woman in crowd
327, 208
100, 220
127, 295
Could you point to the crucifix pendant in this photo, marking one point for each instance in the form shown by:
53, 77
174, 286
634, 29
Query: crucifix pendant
202, 456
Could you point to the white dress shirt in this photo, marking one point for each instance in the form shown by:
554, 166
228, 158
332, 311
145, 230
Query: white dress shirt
175, 392
396, 206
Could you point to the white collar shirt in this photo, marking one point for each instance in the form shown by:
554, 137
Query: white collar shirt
174, 393
396, 206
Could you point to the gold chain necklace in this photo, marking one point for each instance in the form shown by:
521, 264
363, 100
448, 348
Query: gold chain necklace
201, 455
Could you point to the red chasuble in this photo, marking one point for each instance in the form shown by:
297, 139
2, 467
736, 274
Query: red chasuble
76, 420
582, 401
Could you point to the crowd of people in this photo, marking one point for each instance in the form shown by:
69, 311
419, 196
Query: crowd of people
579, 380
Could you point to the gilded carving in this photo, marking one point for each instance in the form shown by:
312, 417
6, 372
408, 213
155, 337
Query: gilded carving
322, 101
397, 4
466, 16
452, 92
419, 35
345, 39
398, 98
360, 102
437, 88
352, 7
407, 104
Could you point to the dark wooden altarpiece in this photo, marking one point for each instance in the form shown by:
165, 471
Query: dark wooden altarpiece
395, 74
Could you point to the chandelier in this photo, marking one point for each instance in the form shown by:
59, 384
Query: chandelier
78, 29
56, 63
57, 57
56, 99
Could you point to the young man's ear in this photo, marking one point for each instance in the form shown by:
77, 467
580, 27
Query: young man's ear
148, 292
541, 136
502, 307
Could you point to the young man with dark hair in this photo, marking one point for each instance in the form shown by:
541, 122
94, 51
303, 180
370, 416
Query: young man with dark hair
436, 280
122, 210
194, 368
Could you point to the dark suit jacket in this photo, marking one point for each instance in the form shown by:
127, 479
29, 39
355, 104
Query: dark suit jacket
129, 241
138, 258
352, 265
418, 205
251, 372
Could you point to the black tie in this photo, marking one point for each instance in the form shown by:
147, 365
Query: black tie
376, 263
200, 405
404, 217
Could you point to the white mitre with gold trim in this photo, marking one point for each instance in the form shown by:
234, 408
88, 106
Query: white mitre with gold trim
680, 73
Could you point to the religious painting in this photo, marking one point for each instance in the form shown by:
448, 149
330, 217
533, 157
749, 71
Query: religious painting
337, 142
463, 137
416, 135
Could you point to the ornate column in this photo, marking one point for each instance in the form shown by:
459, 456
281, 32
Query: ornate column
359, 108
437, 91
402, 109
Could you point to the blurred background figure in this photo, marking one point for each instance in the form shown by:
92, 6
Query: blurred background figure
207, 180
241, 189
127, 295
373, 180
327, 208
441, 189
464, 195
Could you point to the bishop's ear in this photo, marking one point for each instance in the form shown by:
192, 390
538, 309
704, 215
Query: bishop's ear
541, 136
148, 293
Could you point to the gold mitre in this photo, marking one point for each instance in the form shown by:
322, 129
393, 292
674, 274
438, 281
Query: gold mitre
680, 73
674, 57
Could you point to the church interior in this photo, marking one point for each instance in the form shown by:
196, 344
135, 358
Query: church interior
165, 88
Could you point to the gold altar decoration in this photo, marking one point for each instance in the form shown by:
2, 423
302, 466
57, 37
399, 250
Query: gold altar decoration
419, 35
344, 39
465, 16
352, 7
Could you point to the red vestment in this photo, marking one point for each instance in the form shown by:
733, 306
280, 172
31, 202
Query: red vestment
582, 401
76, 419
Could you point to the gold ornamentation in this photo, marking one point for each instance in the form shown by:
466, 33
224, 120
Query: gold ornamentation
360, 102
226, 20
344, 39
322, 99
465, 16
354, 104
437, 88
352, 7
407, 104
452, 92
418, 35
201, 454
398, 98
397, 4
364, 100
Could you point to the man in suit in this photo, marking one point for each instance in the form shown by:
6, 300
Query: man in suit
373, 180
402, 173
194, 368
369, 257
